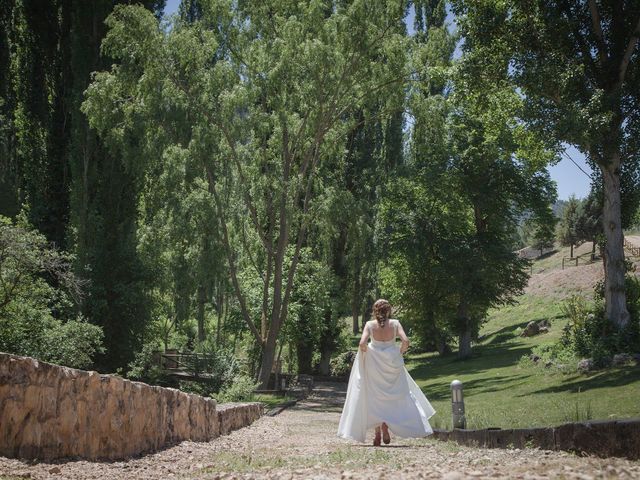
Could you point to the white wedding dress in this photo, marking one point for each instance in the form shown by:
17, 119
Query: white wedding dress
381, 390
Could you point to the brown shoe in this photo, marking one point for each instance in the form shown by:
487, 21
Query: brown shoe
376, 439
386, 438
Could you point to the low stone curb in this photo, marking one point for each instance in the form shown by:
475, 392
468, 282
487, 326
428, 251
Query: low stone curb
49, 412
619, 438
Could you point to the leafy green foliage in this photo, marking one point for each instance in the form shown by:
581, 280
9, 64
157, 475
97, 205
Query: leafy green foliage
240, 389
36, 318
568, 232
144, 367
588, 334
341, 364
578, 71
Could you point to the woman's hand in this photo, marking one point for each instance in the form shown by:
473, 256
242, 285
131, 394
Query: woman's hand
363, 347
404, 347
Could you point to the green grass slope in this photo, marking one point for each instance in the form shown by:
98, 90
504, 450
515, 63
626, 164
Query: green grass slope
500, 393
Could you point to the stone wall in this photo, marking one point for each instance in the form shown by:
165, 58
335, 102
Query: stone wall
618, 438
49, 412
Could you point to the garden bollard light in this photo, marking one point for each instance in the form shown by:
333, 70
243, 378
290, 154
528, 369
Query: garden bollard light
457, 405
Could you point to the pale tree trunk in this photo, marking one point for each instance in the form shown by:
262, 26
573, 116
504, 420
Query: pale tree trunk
614, 288
355, 300
464, 340
202, 298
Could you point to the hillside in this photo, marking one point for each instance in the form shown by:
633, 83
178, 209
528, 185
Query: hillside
500, 392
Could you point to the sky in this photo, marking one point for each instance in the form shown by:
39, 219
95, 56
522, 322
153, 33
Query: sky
570, 180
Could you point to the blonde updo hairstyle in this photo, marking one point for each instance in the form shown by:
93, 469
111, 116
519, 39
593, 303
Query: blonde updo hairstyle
382, 311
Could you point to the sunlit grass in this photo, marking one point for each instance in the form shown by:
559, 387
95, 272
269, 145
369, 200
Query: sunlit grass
270, 400
501, 393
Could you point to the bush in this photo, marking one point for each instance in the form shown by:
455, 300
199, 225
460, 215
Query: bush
73, 344
144, 369
199, 388
341, 365
591, 335
37, 317
241, 389
219, 366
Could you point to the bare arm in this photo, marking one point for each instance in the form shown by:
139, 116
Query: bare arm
364, 338
403, 336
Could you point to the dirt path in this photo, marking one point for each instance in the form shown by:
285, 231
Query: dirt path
301, 442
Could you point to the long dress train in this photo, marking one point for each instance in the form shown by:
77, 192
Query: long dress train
381, 390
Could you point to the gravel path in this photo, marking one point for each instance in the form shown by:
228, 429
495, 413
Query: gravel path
301, 442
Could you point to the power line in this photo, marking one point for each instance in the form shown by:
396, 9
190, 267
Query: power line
574, 162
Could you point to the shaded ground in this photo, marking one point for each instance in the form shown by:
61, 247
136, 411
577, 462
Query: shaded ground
301, 442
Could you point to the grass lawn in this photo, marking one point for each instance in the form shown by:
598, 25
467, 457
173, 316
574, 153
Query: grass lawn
500, 393
271, 400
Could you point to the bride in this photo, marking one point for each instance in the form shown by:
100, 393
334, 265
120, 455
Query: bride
381, 393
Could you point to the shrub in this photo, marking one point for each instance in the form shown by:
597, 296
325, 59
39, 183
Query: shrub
591, 335
144, 369
551, 355
73, 343
341, 365
37, 317
218, 366
241, 389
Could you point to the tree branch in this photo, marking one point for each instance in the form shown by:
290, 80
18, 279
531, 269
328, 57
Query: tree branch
624, 63
597, 29
232, 265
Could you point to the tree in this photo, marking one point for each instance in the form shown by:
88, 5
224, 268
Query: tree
261, 101
543, 234
50, 160
578, 67
568, 234
589, 220
498, 173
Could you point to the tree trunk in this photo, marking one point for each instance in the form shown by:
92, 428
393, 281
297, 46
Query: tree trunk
202, 298
366, 313
324, 367
327, 343
355, 297
304, 353
442, 346
266, 362
464, 341
355, 304
572, 250
464, 337
614, 288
